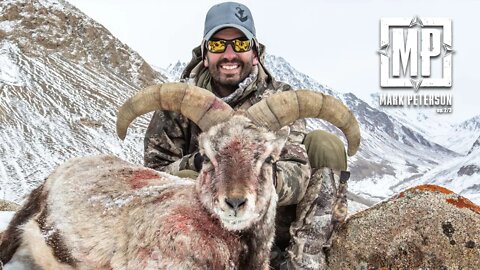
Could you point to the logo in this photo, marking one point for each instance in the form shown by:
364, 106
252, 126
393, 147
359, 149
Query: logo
412, 48
239, 15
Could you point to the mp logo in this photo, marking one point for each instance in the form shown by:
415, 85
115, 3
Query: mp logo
409, 47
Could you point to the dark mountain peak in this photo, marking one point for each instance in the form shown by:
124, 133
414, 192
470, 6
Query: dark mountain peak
475, 146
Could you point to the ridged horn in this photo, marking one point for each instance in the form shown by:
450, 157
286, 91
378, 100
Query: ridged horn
195, 103
284, 108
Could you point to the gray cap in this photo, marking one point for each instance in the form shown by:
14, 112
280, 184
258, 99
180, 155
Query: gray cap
229, 14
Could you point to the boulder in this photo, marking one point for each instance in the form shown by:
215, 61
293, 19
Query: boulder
424, 227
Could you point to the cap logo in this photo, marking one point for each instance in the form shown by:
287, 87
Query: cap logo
240, 16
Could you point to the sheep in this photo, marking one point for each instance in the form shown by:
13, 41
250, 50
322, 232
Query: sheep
104, 213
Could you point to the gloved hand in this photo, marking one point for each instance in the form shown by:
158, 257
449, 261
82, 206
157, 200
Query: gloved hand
325, 150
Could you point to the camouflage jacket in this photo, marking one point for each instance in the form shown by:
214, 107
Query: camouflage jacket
171, 140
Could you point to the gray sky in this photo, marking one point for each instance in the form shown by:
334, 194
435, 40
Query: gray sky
335, 42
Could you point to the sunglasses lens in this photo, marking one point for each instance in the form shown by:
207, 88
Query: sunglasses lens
216, 46
238, 45
241, 45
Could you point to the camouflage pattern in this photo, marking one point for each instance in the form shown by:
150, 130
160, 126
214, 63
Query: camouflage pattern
319, 213
305, 197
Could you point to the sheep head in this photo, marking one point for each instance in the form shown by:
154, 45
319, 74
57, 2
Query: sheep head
235, 183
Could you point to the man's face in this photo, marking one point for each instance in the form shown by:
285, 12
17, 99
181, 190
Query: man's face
230, 68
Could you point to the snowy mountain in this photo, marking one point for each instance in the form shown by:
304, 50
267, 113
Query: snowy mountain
396, 151
475, 146
173, 71
62, 77
438, 128
462, 136
462, 172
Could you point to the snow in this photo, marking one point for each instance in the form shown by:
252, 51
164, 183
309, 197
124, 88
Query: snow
435, 127
7, 26
10, 71
460, 137
447, 175
5, 217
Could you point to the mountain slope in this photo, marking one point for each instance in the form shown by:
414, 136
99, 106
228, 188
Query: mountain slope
461, 137
461, 173
458, 137
62, 77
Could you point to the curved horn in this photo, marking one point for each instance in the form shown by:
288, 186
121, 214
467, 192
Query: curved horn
284, 108
195, 103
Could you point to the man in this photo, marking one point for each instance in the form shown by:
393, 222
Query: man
229, 62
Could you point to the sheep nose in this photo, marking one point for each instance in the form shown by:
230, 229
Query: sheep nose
235, 203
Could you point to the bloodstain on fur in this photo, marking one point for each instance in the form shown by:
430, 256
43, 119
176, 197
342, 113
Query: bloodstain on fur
203, 229
217, 104
237, 146
146, 254
164, 196
237, 158
140, 178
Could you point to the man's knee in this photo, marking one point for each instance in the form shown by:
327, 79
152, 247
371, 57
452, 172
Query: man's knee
325, 150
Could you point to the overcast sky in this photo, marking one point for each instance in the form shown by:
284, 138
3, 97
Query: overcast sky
335, 42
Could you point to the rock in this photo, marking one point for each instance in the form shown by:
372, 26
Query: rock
425, 227
8, 206
469, 170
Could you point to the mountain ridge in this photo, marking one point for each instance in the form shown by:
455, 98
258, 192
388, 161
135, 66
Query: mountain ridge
58, 93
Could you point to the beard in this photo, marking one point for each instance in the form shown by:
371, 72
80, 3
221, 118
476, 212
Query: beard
230, 80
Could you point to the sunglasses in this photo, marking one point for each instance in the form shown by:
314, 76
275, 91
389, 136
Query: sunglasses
239, 45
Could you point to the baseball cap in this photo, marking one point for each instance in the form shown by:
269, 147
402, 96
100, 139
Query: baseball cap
229, 14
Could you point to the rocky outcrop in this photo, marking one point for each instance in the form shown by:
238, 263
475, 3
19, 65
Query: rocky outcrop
425, 227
